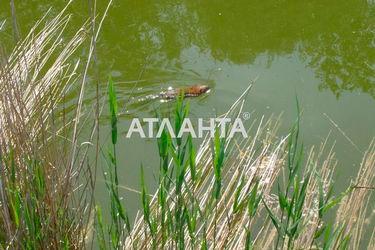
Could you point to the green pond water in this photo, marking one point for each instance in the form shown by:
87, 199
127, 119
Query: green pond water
320, 51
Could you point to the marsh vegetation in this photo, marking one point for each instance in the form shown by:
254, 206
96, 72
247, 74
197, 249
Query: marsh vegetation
262, 192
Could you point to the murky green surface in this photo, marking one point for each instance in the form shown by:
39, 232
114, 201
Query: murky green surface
320, 51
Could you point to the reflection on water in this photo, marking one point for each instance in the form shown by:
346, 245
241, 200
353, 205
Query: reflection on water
334, 38
322, 51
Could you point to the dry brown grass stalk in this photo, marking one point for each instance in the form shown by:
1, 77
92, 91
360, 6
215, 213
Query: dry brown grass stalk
260, 157
248, 163
33, 79
356, 207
